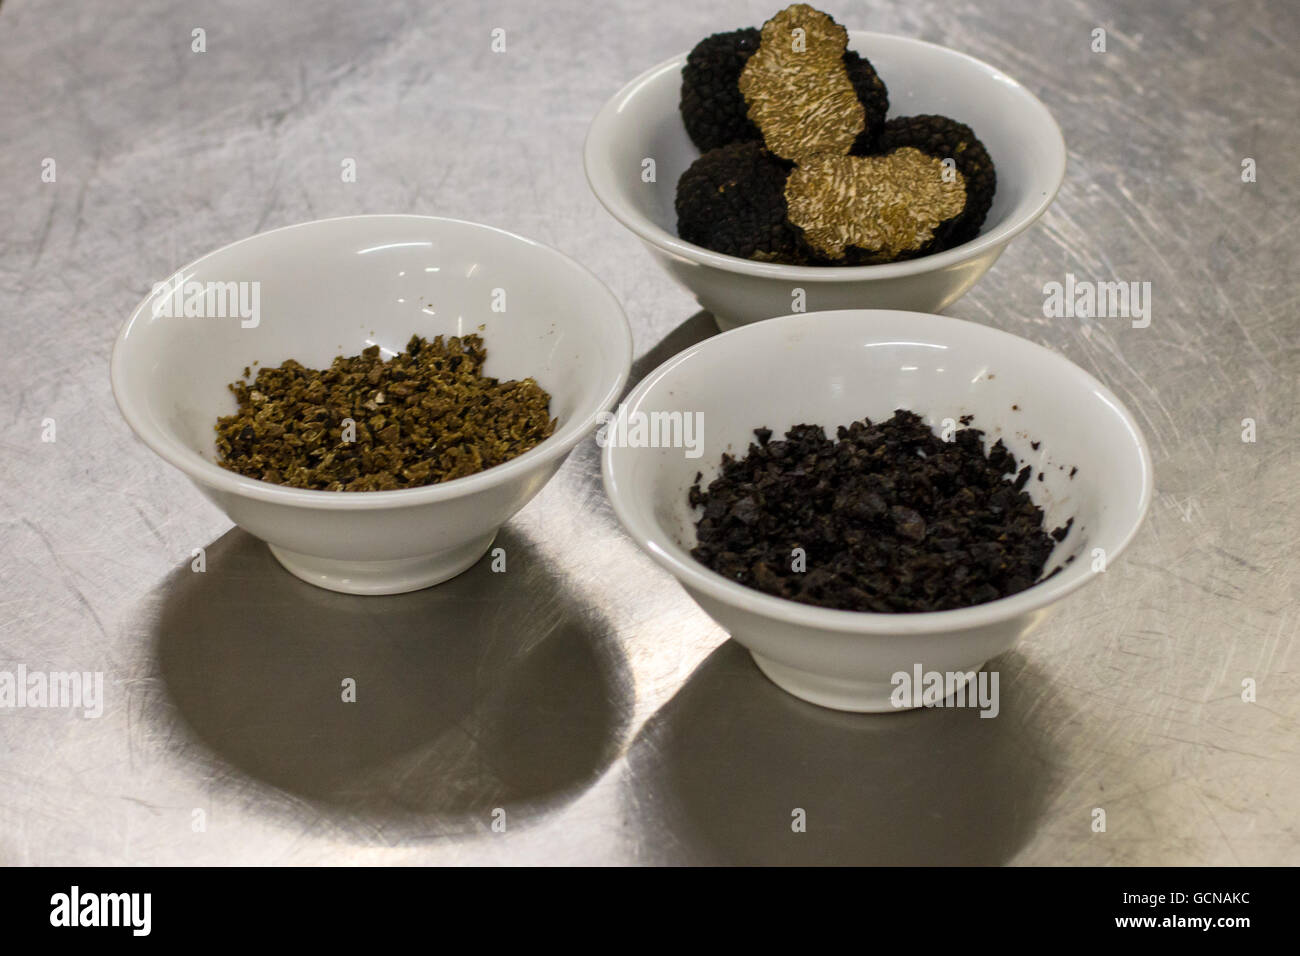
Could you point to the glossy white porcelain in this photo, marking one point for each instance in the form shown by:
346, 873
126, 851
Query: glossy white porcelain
833, 368
642, 122
332, 288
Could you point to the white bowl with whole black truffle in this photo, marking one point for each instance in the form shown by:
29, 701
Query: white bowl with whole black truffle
333, 288
1090, 475
638, 147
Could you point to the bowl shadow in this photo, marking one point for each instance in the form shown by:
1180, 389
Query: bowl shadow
692, 331
731, 758
492, 690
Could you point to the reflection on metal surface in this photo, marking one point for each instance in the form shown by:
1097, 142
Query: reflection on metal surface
921, 787
493, 691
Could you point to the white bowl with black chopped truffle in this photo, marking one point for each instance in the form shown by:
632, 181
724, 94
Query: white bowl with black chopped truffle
1090, 475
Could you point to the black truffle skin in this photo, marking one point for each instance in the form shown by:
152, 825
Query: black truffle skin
713, 110
716, 114
944, 138
732, 200
872, 94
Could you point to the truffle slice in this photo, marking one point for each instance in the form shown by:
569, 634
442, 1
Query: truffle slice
856, 210
804, 91
716, 114
945, 138
732, 200
712, 108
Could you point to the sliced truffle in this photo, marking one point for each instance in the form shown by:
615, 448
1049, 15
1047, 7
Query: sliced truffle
797, 86
712, 108
945, 138
741, 200
715, 111
732, 200
859, 210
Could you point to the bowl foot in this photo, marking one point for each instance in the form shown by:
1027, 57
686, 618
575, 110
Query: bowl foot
383, 577
836, 693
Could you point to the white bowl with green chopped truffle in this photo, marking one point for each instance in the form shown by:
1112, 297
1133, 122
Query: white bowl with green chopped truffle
1090, 475
637, 149
319, 290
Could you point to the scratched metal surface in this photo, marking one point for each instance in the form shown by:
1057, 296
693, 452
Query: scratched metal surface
587, 696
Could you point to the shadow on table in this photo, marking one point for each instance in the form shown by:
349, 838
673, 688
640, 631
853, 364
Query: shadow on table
491, 690
697, 328
726, 762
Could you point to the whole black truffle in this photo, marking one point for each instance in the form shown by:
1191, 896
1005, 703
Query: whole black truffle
712, 108
945, 138
732, 200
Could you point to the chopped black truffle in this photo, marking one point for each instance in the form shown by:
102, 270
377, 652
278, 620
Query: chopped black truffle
890, 518
945, 138
712, 108
732, 200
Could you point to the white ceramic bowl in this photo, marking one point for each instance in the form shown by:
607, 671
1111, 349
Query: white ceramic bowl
643, 122
331, 288
832, 368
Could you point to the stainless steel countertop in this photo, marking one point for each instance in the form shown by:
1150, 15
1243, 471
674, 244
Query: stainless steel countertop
591, 699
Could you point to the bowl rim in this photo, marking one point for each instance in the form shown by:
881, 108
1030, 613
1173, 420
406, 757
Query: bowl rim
600, 182
208, 473
652, 538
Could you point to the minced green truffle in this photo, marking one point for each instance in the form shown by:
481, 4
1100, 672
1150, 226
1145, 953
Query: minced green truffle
426, 415
715, 112
945, 138
732, 200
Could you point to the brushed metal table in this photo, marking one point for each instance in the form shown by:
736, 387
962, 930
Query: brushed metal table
589, 712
